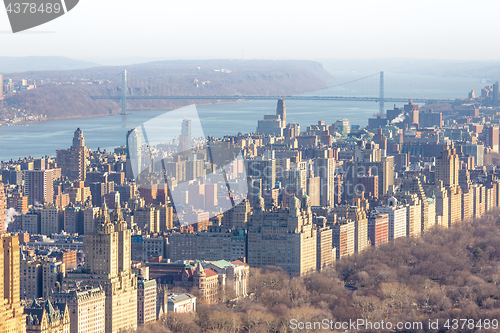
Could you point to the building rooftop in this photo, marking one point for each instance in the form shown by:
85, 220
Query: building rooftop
174, 298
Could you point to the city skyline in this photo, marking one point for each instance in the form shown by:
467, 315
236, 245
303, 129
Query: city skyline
158, 175
304, 201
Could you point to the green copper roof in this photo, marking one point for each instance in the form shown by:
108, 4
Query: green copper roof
221, 263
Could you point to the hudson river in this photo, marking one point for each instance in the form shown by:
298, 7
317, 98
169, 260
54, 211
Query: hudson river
108, 132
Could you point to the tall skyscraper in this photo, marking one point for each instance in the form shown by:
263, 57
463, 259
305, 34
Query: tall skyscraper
283, 237
324, 168
38, 186
447, 166
447, 172
134, 156
274, 124
12, 318
281, 111
185, 138
73, 161
107, 264
492, 138
78, 140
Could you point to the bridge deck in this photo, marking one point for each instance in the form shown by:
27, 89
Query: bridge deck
286, 97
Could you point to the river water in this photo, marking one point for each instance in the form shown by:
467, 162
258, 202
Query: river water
108, 132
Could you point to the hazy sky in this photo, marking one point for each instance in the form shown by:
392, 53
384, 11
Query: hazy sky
269, 29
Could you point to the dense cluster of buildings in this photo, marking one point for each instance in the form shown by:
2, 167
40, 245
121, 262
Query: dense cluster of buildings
9, 86
97, 239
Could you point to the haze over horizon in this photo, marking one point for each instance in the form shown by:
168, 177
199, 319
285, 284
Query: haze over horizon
153, 30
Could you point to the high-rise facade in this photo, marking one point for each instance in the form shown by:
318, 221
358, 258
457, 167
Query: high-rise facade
447, 166
90, 216
411, 111
357, 214
31, 276
274, 124
397, 218
283, 237
134, 154
296, 177
147, 218
378, 229
73, 220
281, 111
413, 214
427, 205
146, 301
107, 264
38, 186
86, 307
185, 138
218, 242
324, 168
53, 273
73, 161
50, 218
237, 217
492, 138
262, 168
368, 161
343, 231
12, 319
447, 180
325, 256
166, 217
